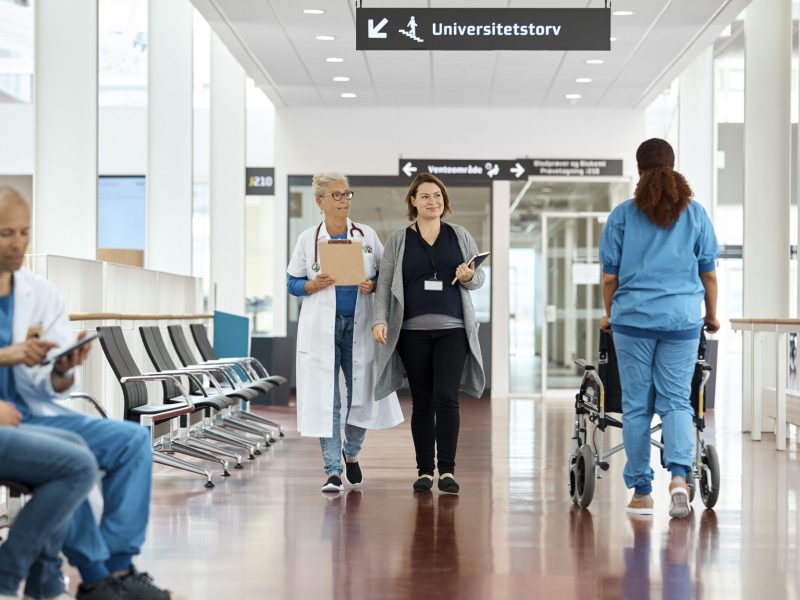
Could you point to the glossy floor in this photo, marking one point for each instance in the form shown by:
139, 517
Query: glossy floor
268, 532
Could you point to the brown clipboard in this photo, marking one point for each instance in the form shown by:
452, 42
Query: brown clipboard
343, 260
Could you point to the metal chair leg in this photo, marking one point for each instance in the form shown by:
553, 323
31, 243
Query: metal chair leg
170, 461
214, 449
251, 429
226, 437
253, 417
182, 448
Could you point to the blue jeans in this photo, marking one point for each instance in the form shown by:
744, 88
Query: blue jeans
656, 378
61, 470
124, 452
353, 436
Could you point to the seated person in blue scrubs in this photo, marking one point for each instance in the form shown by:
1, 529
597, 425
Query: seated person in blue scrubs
60, 470
659, 254
33, 320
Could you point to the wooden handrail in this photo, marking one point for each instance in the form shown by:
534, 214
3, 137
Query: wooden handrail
765, 321
137, 317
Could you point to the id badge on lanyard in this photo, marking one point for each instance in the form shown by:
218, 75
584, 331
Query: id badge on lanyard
433, 284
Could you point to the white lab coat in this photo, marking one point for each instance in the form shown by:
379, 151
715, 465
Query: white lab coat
37, 304
315, 346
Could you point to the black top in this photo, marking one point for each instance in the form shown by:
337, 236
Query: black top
419, 259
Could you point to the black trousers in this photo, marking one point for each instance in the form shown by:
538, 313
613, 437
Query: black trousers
434, 361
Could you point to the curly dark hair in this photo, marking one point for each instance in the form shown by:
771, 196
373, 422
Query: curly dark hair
662, 193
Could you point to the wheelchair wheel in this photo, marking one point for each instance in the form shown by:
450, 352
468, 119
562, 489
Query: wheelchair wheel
709, 478
582, 477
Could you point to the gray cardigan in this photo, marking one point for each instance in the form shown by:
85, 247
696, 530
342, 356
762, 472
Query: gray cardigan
388, 310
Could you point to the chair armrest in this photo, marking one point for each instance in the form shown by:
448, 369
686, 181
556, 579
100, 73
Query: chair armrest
160, 377
191, 371
221, 369
92, 400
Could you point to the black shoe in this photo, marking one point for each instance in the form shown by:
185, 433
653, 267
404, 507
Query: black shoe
448, 484
334, 484
352, 472
424, 483
110, 588
140, 585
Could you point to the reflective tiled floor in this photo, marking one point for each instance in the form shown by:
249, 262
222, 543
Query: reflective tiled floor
268, 532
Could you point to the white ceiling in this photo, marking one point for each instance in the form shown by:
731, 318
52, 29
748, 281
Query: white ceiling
275, 41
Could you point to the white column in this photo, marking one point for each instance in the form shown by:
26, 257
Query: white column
227, 184
768, 51
501, 242
696, 127
65, 96
169, 137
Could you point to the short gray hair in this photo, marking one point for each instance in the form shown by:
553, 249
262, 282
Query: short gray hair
321, 182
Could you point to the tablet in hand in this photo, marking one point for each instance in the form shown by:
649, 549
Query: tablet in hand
71, 348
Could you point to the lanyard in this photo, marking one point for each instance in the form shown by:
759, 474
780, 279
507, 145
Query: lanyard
353, 229
433, 257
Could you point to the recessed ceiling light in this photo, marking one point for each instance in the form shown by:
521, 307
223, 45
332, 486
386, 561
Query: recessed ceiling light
613, 39
349, 95
583, 80
334, 60
341, 79
595, 61
325, 38
313, 11
622, 13
573, 96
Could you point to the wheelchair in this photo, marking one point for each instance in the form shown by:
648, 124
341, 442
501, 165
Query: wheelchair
600, 394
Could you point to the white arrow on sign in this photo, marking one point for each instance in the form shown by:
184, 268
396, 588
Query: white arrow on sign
517, 170
409, 169
375, 32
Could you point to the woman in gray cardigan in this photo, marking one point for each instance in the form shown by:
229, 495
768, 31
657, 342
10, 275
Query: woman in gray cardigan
426, 327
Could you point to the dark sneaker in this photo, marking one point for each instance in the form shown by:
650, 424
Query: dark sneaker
424, 483
140, 585
352, 472
448, 484
334, 484
110, 588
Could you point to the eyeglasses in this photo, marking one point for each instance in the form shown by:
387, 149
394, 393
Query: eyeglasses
348, 195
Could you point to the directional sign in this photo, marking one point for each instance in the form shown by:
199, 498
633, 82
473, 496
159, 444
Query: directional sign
483, 29
466, 170
575, 167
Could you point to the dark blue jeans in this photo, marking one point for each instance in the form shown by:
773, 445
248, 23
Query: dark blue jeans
61, 470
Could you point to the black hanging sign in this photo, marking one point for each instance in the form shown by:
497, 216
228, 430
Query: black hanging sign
466, 170
483, 29
575, 167
260, 181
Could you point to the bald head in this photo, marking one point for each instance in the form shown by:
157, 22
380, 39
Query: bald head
15, 229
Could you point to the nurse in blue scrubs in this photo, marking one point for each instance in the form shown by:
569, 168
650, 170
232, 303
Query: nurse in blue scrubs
659, 253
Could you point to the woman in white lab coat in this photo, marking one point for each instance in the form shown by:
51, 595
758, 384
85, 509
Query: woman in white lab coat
335, 332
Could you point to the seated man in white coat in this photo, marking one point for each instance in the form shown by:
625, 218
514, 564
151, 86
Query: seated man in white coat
33, 324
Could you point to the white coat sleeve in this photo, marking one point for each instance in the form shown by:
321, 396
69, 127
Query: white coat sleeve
55, 328
297, 263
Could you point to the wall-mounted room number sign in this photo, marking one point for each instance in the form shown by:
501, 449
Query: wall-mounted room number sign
260, 181
483, 29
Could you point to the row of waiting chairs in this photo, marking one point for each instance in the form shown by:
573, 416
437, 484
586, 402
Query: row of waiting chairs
205, 412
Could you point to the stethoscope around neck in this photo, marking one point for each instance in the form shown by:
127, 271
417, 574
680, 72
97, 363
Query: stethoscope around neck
353, 229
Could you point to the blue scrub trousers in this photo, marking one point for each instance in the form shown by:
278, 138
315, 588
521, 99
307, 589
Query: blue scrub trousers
656, 378
124, 453
60, 470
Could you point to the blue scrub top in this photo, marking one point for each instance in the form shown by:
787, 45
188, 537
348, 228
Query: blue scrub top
660, 293
8, 390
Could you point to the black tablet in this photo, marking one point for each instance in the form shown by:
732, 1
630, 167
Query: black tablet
477, 259
70, 349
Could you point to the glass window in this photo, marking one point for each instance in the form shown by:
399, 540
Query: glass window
16, 51
121, 220
122, 53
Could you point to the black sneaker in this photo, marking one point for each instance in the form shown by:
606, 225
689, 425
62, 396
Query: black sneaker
334, 484
352, 472
140, 585
424, 483
448, 484
110, 588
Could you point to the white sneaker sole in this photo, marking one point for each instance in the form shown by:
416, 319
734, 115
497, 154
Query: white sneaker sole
329, 487
639, 511
679, 505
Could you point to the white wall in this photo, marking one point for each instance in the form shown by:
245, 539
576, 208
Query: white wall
16, 149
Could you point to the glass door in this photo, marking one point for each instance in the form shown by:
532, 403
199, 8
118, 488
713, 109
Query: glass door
573, 303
